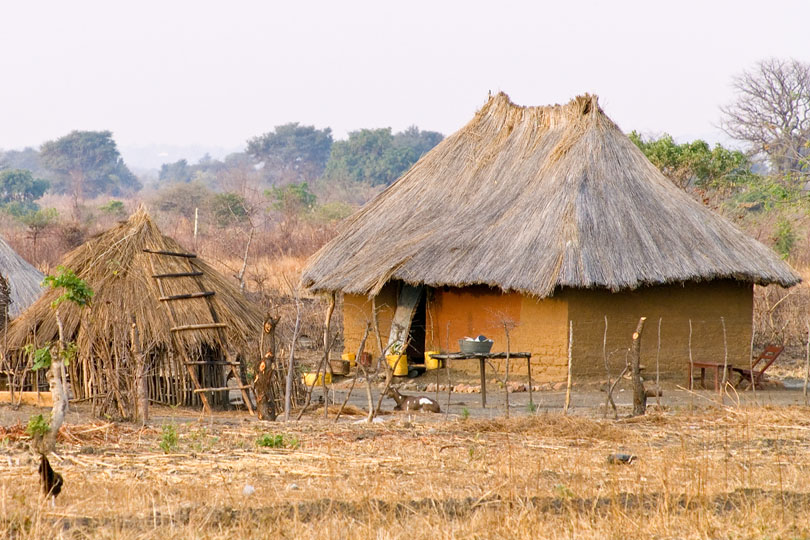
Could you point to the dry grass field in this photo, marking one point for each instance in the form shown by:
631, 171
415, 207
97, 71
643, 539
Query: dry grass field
715, 473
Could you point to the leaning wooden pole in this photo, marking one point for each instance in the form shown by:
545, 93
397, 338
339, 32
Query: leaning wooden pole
570, 363
639, 396
327, 345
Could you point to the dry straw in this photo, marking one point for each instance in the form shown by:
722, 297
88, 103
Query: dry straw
120, 272
23, 279
532, 199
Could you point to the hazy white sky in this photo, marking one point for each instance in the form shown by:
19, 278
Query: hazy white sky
217, 73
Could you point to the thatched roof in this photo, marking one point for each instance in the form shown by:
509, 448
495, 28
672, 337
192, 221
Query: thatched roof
116, 267
24, 280
532, 199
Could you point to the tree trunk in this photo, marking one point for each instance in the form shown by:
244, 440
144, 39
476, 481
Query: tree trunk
58, 390
265, 370
639, 395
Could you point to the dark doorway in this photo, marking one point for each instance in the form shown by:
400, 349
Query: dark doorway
416, 341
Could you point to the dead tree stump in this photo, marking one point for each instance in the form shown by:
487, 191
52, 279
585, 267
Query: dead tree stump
264, 370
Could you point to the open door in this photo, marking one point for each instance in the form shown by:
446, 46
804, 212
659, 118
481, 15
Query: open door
418, 334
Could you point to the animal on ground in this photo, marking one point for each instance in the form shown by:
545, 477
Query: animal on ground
50, 480
412, 403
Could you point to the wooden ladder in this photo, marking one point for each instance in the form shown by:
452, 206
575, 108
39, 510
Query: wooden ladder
214, 324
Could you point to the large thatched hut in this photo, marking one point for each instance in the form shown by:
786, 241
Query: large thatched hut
537, 216
24, 281
191, 322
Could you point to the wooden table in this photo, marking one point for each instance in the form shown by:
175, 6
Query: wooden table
482, 364
717, 367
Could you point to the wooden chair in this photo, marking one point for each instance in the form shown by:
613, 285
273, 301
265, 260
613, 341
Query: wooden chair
754, 375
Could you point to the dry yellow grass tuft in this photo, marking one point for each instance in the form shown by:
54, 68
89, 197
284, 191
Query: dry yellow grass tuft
718, 473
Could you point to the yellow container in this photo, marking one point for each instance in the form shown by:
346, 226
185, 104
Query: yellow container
401, 363
350, 357
309, 378
430, 362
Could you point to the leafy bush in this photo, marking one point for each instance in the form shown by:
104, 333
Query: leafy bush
114, 208
76, 290
41, 357
37, 426
277, 441
785, 238
169, 438
229, 209
292, 198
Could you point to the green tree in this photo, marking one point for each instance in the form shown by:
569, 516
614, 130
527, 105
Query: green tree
179, 171
376, 156
229, 209
417, 142
37, 222
292, 198
696, 162
86, 164
182, 199
20, 186
292, 152
28, 159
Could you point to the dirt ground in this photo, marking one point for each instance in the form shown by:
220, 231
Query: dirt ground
702, 468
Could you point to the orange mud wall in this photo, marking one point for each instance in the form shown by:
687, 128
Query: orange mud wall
675, 305
539, 327
357, 312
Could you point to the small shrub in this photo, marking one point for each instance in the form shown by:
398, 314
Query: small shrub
37, 426
785, 238
277, 441
113, 207
169, 438
465, 413
531, 407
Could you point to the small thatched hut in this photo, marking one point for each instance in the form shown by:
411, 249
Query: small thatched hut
24, 281
537, 216
191, 321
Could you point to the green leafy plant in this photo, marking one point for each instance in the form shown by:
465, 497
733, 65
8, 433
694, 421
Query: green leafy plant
41, 357
37, 426
785, 238
114, 207
277, 441
76, 290
531, 407
169, 438
465, 413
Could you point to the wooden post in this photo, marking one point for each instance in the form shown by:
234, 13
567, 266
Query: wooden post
609, 394
141, 388
807, 363
570, 363
327, 346
639, 396
506, 382
658, 367
725, 359
291, 364
691, 361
